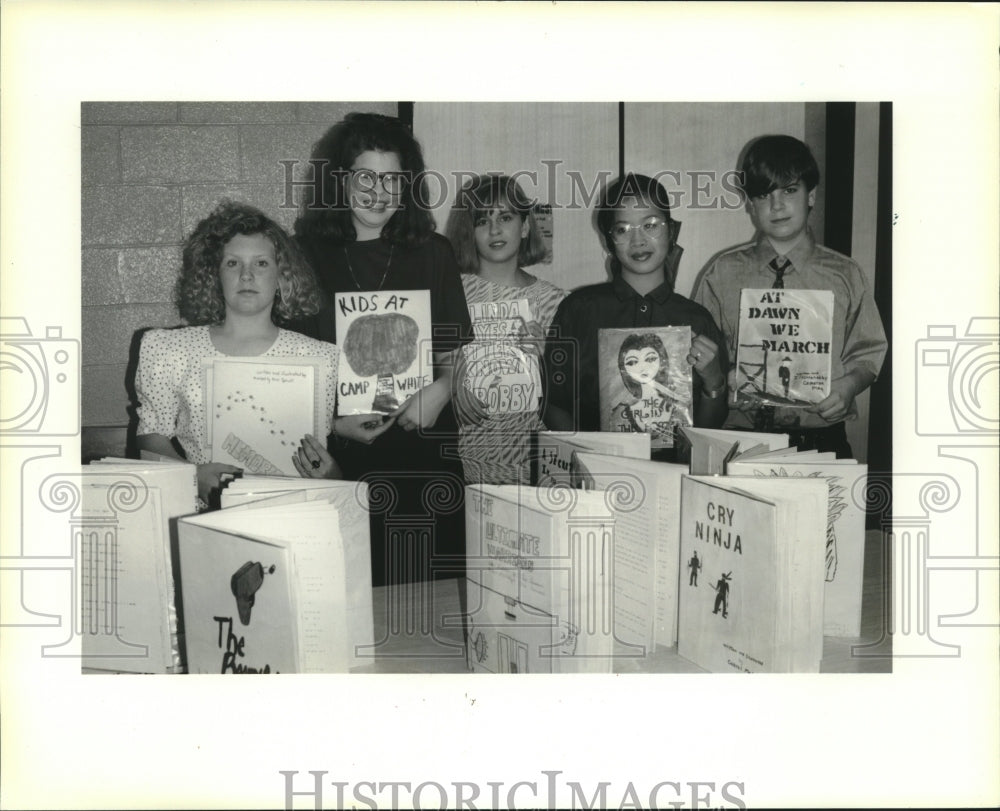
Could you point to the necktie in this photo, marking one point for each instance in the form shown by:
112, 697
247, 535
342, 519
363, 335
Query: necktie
779, 265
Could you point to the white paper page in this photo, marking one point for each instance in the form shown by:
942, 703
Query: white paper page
123, 567
260, 409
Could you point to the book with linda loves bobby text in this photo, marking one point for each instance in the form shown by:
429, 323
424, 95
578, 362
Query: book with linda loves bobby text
645, 381
784, 347
386, 353
502, 374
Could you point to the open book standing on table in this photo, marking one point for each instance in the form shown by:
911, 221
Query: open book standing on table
755, 600
538, 580
127, 550
280, 582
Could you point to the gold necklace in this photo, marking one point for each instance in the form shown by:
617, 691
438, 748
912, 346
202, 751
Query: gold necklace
355, 278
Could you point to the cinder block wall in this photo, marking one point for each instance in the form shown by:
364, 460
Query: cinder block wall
150, 172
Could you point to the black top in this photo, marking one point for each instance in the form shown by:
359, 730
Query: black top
571, 359
378, 265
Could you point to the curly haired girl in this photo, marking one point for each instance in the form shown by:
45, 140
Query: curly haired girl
241, 277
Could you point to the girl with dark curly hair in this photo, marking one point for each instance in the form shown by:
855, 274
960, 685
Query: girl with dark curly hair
369, 229
241, 277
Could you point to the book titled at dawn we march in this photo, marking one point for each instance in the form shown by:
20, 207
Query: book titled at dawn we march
752, 564
386, 353
538, 577
784, 346
645, 381
265, 585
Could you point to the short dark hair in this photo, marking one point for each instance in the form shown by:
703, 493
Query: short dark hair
328, 216
475, 199
637, 187
198, 290
775, 161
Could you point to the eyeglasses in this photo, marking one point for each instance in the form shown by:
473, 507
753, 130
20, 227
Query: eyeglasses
651, 229
392, 182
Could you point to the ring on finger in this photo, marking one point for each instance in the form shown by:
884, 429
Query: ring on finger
315, 464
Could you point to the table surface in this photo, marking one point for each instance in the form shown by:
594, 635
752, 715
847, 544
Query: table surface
418, 629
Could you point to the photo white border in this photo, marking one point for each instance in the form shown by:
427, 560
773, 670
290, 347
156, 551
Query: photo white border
924, 735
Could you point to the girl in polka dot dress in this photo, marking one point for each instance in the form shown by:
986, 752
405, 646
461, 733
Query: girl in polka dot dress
241, 277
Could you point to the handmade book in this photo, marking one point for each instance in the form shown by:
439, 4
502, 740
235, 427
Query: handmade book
713, 448
538, 577
645, 381
552, 455
784, 346
265, 586
386, 353
351, 500
259, 408
752, 563
845, 527
126, 550
644, 498
497, 369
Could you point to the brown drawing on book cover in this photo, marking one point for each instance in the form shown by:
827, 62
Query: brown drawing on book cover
245, 583
381, 345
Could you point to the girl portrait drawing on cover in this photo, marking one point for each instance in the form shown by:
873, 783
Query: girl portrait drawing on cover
644, 366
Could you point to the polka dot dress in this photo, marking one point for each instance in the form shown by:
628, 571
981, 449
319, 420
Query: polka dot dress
169, 382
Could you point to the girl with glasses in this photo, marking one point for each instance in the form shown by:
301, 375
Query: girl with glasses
640, 235
494, 234
368, 229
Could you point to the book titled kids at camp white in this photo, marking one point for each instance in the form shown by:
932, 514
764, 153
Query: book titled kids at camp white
784, 346
385, 349
645, 381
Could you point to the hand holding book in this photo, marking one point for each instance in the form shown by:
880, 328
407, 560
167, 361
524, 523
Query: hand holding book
704, 359
835, 406
313, 461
